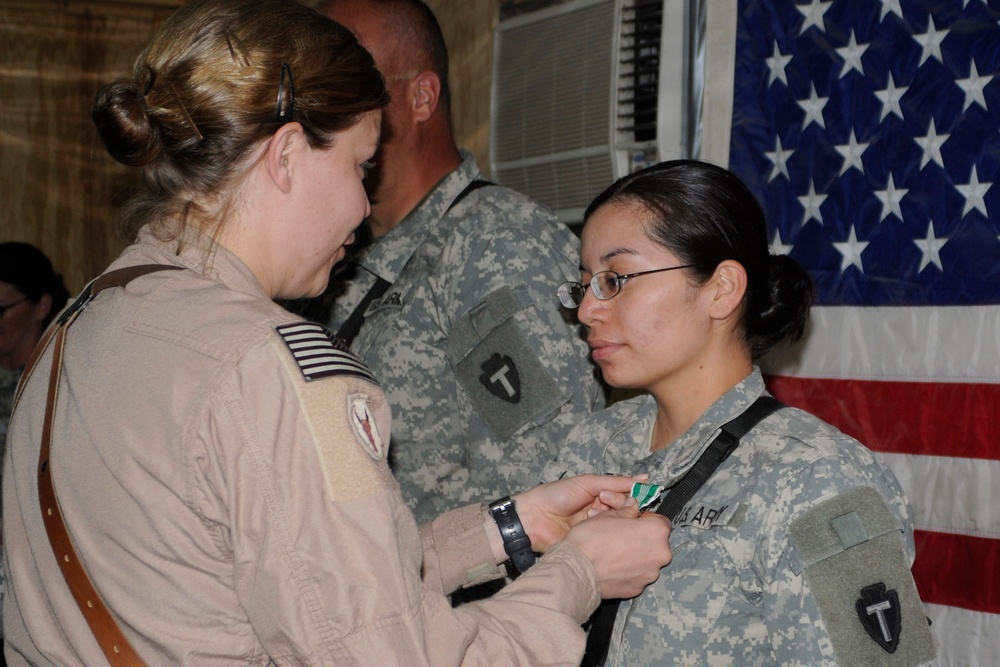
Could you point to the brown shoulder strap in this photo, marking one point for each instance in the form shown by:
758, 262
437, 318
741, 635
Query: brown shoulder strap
109, 636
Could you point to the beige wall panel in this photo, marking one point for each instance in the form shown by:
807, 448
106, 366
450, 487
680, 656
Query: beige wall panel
57, 183
60, 189
468, 30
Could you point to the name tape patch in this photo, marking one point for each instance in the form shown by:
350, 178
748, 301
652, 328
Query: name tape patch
318, 354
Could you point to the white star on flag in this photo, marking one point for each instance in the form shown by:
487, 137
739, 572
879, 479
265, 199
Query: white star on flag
890, 7
973, 87
777, 64
930, 42
931, 144
890, 98
852, 152
779, 248
813, 108
931, 249
890, 198
851, 252
813, 13
811, 203
779, 157
852, 56
974, 193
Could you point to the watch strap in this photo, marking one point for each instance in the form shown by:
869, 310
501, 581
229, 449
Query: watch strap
516, 542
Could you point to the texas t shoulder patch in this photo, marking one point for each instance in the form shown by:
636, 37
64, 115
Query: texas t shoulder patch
878, 610
318, 354
500, 377
850, 551
500, 372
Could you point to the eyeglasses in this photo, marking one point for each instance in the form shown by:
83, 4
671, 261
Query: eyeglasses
604, 284
5, 308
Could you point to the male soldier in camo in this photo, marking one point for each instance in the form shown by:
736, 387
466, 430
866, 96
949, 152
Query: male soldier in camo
485, 374
797, 550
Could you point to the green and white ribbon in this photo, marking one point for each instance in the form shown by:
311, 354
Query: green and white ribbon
646, 493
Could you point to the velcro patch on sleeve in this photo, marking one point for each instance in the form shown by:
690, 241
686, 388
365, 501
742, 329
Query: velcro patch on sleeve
319, 355
501, 374
851, 549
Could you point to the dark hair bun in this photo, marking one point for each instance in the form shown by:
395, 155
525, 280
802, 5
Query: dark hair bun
791, 292
124, 125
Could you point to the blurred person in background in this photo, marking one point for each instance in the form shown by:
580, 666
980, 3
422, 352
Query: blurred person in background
31, 294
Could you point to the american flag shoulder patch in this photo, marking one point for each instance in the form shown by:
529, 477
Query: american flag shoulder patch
319, 355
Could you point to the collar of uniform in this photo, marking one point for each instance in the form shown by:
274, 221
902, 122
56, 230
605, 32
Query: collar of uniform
195, 251
682, 454
387, 255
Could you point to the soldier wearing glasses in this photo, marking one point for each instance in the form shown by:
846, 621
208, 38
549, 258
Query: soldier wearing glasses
797, 549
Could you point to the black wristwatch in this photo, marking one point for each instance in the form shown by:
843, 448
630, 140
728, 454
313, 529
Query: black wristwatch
516, 542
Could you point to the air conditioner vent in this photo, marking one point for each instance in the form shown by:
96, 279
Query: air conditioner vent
639, 69
578, 99
551, 120
549, 75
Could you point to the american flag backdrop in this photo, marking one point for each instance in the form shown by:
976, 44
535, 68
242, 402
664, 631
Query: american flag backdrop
870, 132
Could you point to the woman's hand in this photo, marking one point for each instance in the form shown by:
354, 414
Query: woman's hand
627, 549
549, 511
597, 514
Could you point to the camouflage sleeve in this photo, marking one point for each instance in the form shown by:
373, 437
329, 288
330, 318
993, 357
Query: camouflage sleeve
839, 589
519, 360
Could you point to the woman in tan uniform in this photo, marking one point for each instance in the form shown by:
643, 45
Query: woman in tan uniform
220, 466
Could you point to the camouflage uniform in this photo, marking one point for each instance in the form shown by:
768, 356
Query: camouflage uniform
8, 386
774, 554
485, 373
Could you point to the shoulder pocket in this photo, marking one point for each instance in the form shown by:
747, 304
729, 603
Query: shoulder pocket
501, 374
850, 549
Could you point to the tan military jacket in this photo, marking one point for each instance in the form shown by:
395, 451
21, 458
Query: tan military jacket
222, 470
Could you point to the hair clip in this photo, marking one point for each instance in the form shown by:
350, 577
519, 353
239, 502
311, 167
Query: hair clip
243, 59
149, 78
187, 116
281, 113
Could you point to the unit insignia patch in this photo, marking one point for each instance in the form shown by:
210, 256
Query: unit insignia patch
501, 378
878, 610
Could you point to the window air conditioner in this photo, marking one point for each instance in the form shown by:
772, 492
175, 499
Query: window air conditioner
586, 91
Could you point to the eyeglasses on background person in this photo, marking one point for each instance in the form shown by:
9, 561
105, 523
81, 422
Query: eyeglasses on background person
7, 306
604, 284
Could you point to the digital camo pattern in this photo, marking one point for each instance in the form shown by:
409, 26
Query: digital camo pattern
733, 594
485, 382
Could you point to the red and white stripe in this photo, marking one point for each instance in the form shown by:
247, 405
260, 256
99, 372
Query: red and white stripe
921, 385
